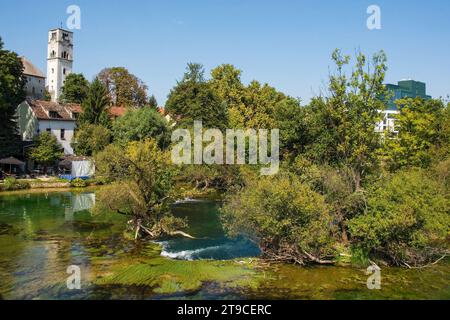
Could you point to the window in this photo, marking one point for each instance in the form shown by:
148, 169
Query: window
53, 114
53, 35
62, 134
64, 71
53, 70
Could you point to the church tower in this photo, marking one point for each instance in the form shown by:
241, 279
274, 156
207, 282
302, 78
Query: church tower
59, 60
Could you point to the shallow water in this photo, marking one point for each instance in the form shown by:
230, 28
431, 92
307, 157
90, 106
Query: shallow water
41, 234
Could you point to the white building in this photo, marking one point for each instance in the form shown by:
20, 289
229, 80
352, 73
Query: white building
35, 86
36, 116
59, 60
388, 122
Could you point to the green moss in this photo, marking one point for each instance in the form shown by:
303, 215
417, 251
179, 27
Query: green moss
170, 276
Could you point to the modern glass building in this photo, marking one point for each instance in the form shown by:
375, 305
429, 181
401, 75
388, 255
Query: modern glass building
406, 89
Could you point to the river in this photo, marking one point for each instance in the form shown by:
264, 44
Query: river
42, 234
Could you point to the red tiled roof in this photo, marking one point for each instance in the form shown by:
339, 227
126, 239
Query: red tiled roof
117, 111
64, 112
30, 69
43, 109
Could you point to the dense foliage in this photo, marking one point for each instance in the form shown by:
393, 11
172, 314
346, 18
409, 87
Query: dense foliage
90, 139
140, 124
288, 220
407, 219
75, 89
124, 88
12, 83
142, 189
95, 105
46, 150
193, 99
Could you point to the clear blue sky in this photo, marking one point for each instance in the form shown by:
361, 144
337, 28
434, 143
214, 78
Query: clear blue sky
284, 43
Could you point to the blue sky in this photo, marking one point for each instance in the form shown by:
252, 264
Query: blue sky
284, 43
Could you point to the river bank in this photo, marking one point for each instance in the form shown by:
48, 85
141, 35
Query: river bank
41, 234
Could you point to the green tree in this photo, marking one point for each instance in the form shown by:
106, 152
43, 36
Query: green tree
143, 187
91, 139
260, 106
406, 221
95, 105
46, 150
140, 124
12, 82
193, 99
124, 88
342, 124
226, 82
423, 132
290, 221
291, 118
75, 89
152, 102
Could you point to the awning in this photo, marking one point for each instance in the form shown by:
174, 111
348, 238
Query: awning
12, 161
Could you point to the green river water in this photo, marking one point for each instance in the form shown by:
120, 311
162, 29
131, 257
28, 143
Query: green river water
41, 234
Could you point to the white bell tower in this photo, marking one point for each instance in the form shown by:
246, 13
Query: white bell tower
59, 60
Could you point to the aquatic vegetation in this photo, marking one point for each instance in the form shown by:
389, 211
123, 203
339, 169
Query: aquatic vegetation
170, 276
7, 229
40, 236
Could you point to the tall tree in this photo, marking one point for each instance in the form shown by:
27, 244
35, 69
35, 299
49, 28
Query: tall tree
193, 99
124, 88
260, 105
75, 89
143, 188
342, 123
140, 124
95, 105
152, 102
226, 82
12, 82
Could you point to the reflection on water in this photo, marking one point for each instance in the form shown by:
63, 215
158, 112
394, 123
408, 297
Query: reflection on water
42, 234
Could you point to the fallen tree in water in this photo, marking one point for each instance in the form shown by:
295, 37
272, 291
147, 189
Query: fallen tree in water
142, 189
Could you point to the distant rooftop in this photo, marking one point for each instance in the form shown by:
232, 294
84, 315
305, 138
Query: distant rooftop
30, 69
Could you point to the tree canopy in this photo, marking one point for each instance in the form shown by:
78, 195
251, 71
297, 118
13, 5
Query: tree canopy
46, 150
95, 105
12, 83
75, 89
124, 88
193, 99
141, 124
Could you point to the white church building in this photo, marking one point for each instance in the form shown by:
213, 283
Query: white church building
35, 115
59, 60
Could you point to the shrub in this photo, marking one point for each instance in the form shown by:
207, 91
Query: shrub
78, 183
290, 221
11, 184
406, 221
